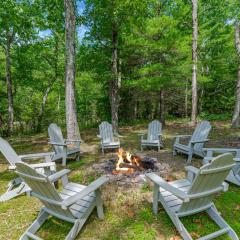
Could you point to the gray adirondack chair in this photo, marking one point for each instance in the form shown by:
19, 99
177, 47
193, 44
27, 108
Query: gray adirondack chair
234, 175
17, 187
154, 136
108, 139
196, 142
193, 195
73, 204
61, 146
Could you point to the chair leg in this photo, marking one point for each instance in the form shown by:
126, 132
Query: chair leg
79, 224
74, 231
64, 159
216, 217
174, 152
189, 158
141, 148
42, 217
158, 147
181, 229
102, 150
99, 204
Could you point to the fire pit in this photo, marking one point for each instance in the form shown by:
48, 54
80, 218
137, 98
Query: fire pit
128, 163
129, 169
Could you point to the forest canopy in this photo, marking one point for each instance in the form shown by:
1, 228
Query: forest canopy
132, 57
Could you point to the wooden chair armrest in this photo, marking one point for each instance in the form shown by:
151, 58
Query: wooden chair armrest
191, 172
117, 135
35, 156
221, 150
90, 188
58, 144
43, 165
178, 137
165, 185
192, 169
183, 136
199, 141
70, 140
54, 177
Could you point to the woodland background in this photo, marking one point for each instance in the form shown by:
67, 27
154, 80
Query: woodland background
133, 62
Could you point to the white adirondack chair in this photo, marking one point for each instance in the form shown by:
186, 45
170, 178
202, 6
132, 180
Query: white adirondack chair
193, 195
17, 187
73, 204
62, 146
234, 175
106, 136
154, 136
196, 142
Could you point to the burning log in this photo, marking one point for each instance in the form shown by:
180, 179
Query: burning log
128, 163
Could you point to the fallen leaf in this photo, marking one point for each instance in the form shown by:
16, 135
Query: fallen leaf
130, 213
175, 238
197, 221
169, 178
237, 208
194, 234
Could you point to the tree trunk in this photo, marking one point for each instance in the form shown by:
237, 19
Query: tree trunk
115, 81
59, 100
162, 107
9, 82
194, 59
40, 115
186, 99
235, 119
70, 27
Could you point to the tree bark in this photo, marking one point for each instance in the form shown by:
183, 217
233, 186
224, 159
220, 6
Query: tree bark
194, 60
186, 99
115, 82
9, 82
235, 119
162, 107
70, 27
40, 115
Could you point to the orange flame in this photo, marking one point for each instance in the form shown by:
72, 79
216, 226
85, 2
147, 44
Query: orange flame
127, 158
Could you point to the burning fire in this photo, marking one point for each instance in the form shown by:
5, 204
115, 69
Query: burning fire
127, 163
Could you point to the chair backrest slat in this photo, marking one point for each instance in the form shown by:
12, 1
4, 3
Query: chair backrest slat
201, 133
55, 135
209, 179
8, 152
154, 128
41, 186
106, 131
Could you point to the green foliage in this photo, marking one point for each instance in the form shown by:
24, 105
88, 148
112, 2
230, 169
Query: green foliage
154, 54
215, 117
